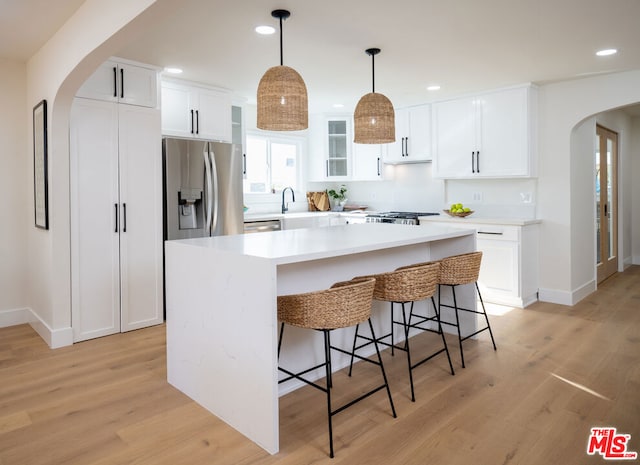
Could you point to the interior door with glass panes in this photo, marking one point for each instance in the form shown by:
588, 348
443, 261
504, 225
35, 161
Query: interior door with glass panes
606, 161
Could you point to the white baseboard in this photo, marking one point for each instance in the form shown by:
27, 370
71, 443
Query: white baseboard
570, 298
53, 337
14, 317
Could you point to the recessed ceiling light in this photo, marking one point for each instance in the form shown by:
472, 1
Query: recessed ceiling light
433, 88
338, 105
265, 30
173, 70
606, 52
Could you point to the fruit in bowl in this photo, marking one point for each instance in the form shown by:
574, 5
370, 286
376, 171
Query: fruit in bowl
457, 209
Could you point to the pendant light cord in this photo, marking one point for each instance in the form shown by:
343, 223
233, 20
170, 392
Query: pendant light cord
373, 73
281, 59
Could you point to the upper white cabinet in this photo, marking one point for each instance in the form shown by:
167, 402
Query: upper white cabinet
122, 82
413, 136
330, 147
190, 110
334, 156
367, 163
338, 140
490, 135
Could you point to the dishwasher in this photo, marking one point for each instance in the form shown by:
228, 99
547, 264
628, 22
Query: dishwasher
257, 226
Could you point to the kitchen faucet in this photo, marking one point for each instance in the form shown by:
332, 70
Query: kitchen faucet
285, 207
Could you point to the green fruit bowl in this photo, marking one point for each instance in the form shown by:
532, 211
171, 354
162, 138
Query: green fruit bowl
460, 215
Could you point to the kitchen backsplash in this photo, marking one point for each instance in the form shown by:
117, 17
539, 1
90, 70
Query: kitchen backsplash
412, 188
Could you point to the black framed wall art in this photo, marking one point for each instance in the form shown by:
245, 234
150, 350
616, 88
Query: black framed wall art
40, 175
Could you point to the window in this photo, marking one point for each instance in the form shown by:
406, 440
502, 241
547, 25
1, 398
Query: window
271, 164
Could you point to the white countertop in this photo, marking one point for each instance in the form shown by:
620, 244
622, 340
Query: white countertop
444, 218
299, 245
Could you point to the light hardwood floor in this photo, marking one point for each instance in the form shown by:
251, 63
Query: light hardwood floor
106, 401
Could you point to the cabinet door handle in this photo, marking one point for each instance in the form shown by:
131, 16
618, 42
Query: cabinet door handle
378, 166
124, 221
478, 161
115, 82
116, 216
406, 146
192, 122
490, 233
473, 162
121, 83
327, 167
197, 122
244, 163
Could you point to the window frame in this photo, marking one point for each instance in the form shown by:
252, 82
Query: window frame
271, 137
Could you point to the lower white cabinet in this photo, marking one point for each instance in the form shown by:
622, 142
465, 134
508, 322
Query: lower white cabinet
509, 269
116, 218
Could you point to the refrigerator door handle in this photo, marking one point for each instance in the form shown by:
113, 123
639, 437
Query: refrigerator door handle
209, 187
216, 197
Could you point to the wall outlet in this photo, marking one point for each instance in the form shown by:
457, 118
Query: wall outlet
526, 197
477, 196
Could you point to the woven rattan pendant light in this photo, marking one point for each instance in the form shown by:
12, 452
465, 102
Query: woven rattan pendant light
374, 118
282, 94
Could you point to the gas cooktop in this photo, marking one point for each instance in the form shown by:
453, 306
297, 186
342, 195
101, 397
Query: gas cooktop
397, 217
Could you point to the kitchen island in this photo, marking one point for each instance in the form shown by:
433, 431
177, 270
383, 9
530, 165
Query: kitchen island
221, 304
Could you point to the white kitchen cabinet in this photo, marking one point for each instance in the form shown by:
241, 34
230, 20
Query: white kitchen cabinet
116, 218
330, 147
413, 136
486, 136
367, 164
194, 111
509, 269
338, 143
123, 82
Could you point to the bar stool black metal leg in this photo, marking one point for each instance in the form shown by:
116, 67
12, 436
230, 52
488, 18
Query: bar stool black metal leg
406, 345
327, 358
444, 341
486, 317
280, 339
384, 374
455, 304
392, 331
353, 350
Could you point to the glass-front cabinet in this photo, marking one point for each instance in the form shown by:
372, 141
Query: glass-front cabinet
338, 147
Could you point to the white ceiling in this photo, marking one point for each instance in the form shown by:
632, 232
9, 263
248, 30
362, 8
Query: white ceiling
462, 45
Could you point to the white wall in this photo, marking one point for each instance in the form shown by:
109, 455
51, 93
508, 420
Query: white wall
54, 73
15, 212
562, 106
581, 209
635, 190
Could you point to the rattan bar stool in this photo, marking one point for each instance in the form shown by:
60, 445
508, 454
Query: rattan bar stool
343, 305
402, 286
455, 271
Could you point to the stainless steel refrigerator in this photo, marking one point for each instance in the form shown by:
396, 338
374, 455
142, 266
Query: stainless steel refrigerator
202, 188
